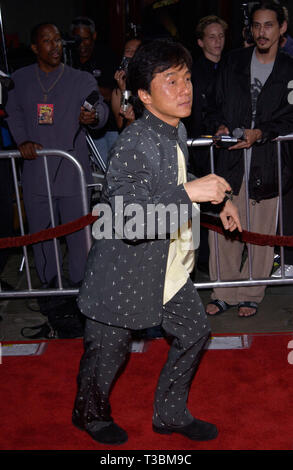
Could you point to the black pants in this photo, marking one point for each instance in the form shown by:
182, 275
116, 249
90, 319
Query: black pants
107, 348
65, 210
6, 207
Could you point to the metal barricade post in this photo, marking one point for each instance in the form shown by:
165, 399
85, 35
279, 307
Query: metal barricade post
30, 291
208, 141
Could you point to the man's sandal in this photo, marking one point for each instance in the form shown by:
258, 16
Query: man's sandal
222, 306
248, 304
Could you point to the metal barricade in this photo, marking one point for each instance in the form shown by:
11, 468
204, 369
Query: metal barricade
61, 290
95, 154
45, 154
208, 142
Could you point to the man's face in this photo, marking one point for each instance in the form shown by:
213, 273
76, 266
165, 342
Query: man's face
266, 30
213, 41
48, 47
130, 47
88, 41
170, 97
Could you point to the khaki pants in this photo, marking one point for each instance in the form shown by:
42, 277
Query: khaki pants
263, 220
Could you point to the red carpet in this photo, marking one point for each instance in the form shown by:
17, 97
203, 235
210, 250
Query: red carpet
246, 393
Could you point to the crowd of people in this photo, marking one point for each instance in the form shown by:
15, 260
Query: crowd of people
145, 282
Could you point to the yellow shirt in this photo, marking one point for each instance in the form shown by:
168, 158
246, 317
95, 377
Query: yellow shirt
181, 256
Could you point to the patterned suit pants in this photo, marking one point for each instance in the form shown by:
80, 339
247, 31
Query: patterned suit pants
107, 349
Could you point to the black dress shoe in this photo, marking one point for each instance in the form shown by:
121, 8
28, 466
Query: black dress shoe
197, 430
110, 434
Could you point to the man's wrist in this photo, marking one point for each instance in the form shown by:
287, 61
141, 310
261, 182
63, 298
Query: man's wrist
228, 197
258, 133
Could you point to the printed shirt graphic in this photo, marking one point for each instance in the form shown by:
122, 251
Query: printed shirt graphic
255, 89
259, 75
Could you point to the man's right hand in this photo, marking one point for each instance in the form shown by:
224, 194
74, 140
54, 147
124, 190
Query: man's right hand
222, 130
120, 78
210, 188
28, 150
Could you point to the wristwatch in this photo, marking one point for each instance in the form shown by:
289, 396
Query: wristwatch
228, 196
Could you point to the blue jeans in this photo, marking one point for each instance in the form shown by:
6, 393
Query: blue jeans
105, 143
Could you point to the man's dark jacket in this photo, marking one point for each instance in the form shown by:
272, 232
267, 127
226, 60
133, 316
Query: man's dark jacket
274, 117
124, 280
204, 75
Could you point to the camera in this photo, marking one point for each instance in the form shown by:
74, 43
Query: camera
91, 102
70, 44
125, 100
246, 8
124, 64
71, 41
5, 81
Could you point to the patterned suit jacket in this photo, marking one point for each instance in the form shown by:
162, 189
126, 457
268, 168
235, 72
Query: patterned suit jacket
124, 280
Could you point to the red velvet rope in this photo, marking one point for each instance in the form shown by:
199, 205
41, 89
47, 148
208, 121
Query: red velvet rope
48, 234
212, 223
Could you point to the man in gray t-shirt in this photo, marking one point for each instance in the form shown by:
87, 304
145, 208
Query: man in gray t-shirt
252, 93
259, 72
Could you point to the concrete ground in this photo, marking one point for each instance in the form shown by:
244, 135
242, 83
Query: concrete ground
275, 313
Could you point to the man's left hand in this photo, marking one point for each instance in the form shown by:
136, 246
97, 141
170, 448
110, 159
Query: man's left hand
251, 136
87, 117
230, 217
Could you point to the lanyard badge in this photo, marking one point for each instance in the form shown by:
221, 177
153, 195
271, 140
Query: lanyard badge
45, 113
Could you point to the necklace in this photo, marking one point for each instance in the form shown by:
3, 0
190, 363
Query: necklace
53, 84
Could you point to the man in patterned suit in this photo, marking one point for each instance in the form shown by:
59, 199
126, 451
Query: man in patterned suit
140, 280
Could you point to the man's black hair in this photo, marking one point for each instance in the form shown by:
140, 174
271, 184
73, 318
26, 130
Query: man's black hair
270, 5
36, 29
150, 58
83, 21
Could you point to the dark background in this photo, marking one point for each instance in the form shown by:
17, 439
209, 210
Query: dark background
112, 18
